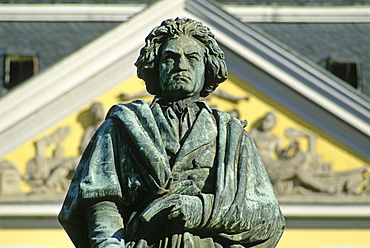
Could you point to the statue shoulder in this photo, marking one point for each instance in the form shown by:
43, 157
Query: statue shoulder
118, 109
228, 118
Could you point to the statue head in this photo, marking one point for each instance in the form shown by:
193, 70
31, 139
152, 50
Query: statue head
268, 121
97, 112
181, 57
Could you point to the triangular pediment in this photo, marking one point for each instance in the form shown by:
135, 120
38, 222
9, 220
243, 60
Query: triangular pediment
301, 90
298, 85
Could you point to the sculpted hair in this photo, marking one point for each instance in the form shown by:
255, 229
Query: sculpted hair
147, 63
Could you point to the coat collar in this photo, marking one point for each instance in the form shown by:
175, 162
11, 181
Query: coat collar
202, 132
201, 104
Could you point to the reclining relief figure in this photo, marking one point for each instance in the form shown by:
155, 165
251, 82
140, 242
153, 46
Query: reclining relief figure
174, 173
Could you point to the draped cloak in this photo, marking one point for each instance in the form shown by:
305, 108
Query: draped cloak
127, 160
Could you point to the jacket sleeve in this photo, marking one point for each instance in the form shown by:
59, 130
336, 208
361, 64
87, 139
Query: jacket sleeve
96, 179
105, 224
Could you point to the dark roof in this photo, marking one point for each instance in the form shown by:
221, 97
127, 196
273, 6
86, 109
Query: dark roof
50, 41
237, 2
319, 41
295, 2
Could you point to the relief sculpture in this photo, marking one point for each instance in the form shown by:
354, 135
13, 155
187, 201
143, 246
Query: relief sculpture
10, 179
97, 114
50, 175
297, 171
46, 175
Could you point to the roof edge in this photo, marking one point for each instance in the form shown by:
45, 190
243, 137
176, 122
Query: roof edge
69, 12
300, 14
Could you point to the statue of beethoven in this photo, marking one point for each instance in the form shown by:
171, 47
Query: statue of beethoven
174, 173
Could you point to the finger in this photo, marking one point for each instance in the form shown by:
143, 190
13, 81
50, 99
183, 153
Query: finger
174, 214
172, 197
175, 208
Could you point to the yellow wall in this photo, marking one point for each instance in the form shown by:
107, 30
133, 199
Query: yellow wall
292, 238
317, 238
258, 105
254, 108
71, 144
53, 238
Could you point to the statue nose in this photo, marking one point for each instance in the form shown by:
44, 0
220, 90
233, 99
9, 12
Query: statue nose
183, 64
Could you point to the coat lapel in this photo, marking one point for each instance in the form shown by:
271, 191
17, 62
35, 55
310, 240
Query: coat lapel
169, 139
203, 131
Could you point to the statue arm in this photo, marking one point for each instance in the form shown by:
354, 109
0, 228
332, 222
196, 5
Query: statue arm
105, 224
195, 210
189, 208
184, 201
86, 210
278, 147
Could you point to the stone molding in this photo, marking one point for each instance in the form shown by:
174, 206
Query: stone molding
296, 14
69, 12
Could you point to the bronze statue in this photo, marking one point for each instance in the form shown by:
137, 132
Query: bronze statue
174, 173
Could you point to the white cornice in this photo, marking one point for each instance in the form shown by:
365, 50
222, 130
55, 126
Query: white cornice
310, 14
121, 12
297, 216
24, 210
308, 210
69, 12
321, 210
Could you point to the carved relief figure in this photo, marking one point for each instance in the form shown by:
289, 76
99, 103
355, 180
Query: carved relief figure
10, 179
173, 173
291, 169
49, 174
227, 96
97, 114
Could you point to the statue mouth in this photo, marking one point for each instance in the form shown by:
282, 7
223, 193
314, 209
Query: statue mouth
181, 77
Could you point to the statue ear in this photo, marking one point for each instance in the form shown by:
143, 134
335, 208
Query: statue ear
150, 78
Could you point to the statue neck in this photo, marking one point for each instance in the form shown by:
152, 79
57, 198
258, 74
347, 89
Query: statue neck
183, 101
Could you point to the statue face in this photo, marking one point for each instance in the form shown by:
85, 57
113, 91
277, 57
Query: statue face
268, 122
182, 68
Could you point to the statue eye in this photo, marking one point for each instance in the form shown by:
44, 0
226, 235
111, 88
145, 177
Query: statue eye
193, 58
169, 60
